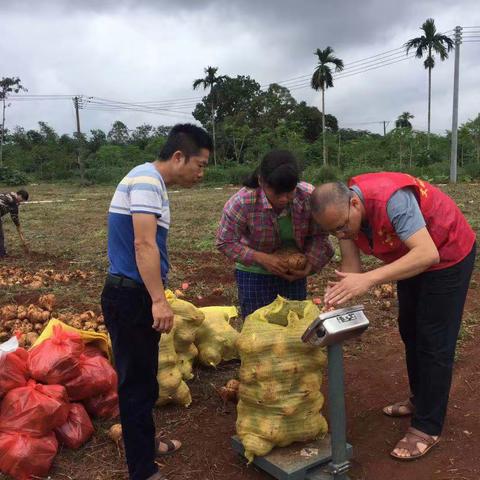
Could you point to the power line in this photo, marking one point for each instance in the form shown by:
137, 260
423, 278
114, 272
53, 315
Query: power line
374, 59
120, 104
351, 67
341, 75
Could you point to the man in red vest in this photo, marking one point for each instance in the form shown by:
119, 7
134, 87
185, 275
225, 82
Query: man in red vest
429, 249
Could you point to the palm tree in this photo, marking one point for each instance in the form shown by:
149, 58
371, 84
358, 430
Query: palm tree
403, 120
210, 80
429, 42
322, 79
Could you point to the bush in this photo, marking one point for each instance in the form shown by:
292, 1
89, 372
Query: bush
105, 175
472, 170
10, 176
355, 170
323, 174
233, 173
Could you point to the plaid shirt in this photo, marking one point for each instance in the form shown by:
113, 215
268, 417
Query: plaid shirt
249, 223
8, 204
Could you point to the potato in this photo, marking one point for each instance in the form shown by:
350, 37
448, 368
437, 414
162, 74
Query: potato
233, 384
35, 285
47, 302
8, 312
297, 261
30, 338
227, 394
115, 433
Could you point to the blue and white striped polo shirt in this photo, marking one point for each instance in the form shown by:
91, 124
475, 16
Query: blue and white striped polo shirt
141, 191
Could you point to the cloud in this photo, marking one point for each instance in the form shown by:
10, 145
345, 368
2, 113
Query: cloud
139, 50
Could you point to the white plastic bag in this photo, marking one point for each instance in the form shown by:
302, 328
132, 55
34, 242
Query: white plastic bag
8, 347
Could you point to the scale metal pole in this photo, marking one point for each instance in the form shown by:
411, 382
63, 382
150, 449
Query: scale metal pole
338, 423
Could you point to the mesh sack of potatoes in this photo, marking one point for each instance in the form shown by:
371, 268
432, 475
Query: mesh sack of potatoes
280, 378
216, 338
172, 388
188, 319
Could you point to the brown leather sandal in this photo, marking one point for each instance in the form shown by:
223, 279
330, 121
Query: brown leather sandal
171, 446
398, 409
412, 438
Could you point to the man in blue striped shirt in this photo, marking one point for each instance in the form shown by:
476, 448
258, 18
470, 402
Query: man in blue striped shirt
134, 306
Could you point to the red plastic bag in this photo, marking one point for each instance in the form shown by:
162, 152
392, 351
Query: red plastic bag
34, 409
13, 370
96, 376
55, 361
22, 456
91, 351
103, 406
77, 429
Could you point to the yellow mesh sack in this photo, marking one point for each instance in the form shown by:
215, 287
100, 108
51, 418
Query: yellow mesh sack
89, 337
280, 378
188, 319
172, 388
216, 338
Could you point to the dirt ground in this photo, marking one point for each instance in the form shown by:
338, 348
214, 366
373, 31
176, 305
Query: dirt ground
374, 376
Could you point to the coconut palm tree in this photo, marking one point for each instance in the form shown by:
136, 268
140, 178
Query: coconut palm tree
403, 120
210, 80
322, 79
430, 42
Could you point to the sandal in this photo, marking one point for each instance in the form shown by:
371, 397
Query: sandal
172, 446
412, 438
400, 409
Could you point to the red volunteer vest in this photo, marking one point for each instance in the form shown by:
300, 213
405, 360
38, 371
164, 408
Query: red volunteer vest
446, 224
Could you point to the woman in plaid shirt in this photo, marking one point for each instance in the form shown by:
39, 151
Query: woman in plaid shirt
271, 212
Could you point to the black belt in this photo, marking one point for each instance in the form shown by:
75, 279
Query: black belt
120, 281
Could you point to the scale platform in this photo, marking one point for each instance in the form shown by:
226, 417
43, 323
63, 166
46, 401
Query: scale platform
299, 461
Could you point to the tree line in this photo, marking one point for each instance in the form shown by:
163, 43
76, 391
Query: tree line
246, 121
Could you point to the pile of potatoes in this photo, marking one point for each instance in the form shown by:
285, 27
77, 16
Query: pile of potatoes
42, 278
28, 321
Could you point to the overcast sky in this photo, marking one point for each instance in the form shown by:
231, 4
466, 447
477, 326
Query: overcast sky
140, 50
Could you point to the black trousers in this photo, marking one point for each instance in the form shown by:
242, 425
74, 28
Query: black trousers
128, 317
2, 240
430, 312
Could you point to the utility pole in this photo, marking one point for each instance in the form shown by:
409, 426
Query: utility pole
79, 139
384, 128
2, 139
456, 77
338, 151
